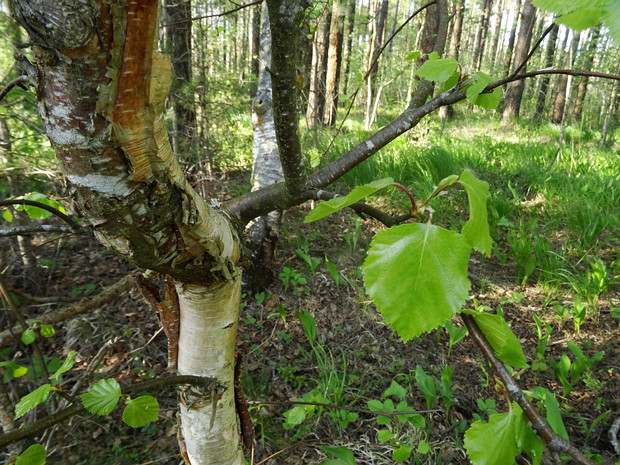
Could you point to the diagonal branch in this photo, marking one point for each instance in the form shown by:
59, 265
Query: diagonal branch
54, 211
539, 425
534, 48
265, 200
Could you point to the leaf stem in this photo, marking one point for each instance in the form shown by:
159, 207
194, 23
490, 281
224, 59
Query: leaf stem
414, 206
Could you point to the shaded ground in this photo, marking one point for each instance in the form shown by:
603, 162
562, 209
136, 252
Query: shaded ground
279, 364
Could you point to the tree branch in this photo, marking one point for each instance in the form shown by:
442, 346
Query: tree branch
36, 228
72, 224
216, 15
539, 425
208, 384
534, 48
261, 201
73, 310
18, 81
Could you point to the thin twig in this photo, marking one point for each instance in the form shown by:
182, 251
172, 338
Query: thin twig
216, 15
29, 431
18, 81
54, 211
340, 407
536, 45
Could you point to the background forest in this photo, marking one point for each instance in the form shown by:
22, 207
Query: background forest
549, 148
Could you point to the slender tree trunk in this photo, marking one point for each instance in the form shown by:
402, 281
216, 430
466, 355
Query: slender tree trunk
455, 41
262, 234
511, 40
334, 60
316, 95
493, 52
514, 90
544, 85
587, 64
348, 41
611, 119
255, 41
377, 41
559, 109
481, 33
179, 34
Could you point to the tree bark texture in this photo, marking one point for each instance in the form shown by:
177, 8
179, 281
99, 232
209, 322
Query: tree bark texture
348, 41
316, 94
481, 33
587, 64
514, 90
179, 35
373, 58
457, 29
559, 103
334, 60
266, 170
100, 94
511, 40
544, 85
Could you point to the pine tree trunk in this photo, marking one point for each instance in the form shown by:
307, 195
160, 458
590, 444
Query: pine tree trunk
493, 52
373, 58
179, 32
559, 105
583, 82
514, 90
316, 95
511, 40
334, 60
455, 42
611, 119
481, 33
348, 41
544, 85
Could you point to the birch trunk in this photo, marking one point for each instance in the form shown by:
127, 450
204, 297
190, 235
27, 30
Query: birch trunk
100, 92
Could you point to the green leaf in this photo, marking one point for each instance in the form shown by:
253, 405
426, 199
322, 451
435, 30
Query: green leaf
395, 390
475, 95
30, 401
342, 453
437, 69
402, 453
503, 341
140, 411
66, 366
384, 435
295, 416
423, 447
582, 14
413, 56
331, 206
417, 276
533, 445
504, 431
47, 331
28, 336
34, 455
426, 384
36, 212
476, 230
309, 324
102, 398
7, 215
554, 417
451, 82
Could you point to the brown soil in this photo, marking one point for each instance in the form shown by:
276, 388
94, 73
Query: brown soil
278, 362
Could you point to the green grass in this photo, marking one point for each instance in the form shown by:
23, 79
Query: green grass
548, 211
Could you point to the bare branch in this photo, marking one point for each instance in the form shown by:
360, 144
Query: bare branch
18, 81
34, 229
73, 310
216, 15
72, 224
539, 425
536, 45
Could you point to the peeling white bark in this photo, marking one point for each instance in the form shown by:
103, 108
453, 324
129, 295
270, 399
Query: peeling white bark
206, 348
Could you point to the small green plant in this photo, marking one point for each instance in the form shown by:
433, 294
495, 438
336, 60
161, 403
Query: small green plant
456, 334
295, 279
430, 387
570, 372
396, 428
334, 273
313, 262
352, 236
540, 363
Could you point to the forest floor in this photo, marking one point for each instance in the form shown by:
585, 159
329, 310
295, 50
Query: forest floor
358, 350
